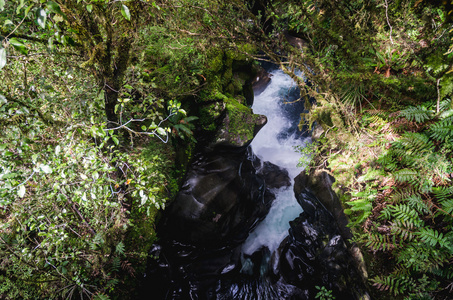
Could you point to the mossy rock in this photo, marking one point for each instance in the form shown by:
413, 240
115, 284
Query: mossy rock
239, 125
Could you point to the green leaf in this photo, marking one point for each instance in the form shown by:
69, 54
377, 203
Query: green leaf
18, 45
2, 57
21, 191
46, 169
41, 17
90, 8
126, 13
54, 7
161, 131
115, 140
2, 5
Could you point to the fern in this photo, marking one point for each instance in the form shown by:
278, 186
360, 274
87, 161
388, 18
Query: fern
377, 241
433, 237
120, 248
416, 202
419, 114
395, 283
404, 232
404, 214
403, 194
406, 175
414, 142
116, 264
442, 130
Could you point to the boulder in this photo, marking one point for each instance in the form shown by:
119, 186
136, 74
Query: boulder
315, 254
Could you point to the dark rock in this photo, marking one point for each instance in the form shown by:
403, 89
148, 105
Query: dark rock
274, 176
315, 254
220, 201
261, 81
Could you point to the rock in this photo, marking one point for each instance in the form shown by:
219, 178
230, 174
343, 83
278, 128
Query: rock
315, 254
321, 185
274, 176
261, 81
221, 199
238, 127
201, 233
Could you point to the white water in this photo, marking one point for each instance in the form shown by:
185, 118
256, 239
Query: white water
268, 147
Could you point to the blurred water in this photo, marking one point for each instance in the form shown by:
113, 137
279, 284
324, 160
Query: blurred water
275, 143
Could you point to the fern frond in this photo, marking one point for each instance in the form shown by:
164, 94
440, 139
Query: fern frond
417, 142
442, 130
419, 113
404, 214
116, 264
416, 202
405, 175
443, 193
444, 272
432, 237
404, 232
395, 283
120, 248
377, 241
403, 194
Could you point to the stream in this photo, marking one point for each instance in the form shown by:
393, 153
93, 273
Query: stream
238, 230
275, 143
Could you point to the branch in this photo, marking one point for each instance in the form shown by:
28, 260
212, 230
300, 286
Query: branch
154, 132
388, 22
44, 118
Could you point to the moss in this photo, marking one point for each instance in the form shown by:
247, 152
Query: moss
241, 122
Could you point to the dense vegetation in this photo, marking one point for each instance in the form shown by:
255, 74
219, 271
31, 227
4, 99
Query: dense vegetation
99, 102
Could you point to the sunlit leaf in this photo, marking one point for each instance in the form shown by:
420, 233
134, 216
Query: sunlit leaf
161, 131
18, 45
90, 8
41, 17
2, 5
46, 169
21, 191
2, 57
126, 13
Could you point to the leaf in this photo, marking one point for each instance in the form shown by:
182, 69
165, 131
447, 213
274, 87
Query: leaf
21, 191
41, 17
90, 8
115, 140
2, 5
161, 131
125, 12
2, 57
18, 45
46, 169
54, 7
57, 149
120, 248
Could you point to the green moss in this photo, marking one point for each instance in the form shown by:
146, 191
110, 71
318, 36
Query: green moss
241, 121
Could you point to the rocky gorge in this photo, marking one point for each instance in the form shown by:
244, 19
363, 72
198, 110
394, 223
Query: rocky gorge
204, 248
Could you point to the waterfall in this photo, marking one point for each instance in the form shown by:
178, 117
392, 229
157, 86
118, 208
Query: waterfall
275, 143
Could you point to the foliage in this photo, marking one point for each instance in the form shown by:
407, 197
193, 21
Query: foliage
324, 294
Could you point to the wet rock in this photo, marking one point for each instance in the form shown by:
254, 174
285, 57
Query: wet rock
202, 231
315, 254
261, 81
274, 176
221, 199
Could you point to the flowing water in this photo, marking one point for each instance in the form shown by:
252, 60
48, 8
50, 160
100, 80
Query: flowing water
275, 143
